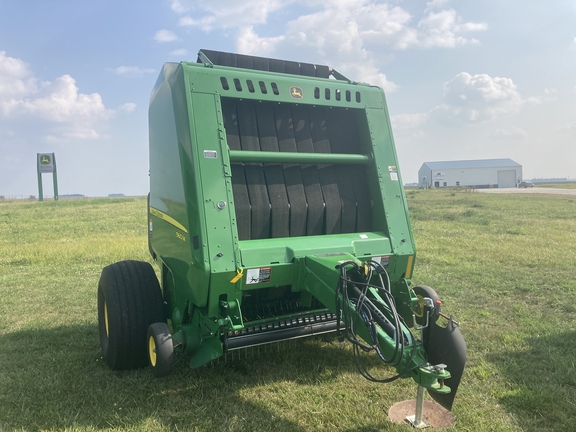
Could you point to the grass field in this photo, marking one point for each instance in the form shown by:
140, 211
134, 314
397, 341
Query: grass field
564, 185
503, 264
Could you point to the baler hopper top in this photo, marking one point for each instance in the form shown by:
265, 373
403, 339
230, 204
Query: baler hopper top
277, 211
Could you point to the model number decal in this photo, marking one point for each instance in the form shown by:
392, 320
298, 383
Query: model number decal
180, 236
167, 218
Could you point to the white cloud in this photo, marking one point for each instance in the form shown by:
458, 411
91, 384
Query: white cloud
228, 13
349, 33
345, 26
16, 82
131, 71
445, 29
470, 99
164, 36
336, 26
436, 3
127, 107
182, 52
187, 21
476, 98
509, 134
249, 42
57, 108
402, 122
366, 71
60, 101
179, 6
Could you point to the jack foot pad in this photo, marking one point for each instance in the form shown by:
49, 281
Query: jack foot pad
434, 415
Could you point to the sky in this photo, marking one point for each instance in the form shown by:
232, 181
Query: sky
463, 79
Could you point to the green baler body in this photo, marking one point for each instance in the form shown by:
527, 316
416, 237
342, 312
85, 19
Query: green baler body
266, 174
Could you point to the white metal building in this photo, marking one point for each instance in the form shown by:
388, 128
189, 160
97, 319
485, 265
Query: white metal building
484, 173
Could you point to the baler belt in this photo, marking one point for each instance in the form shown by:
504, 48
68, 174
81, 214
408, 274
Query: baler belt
326, 175
239, 187
257, 190
292, 172
265, 64
310, 179
356, 203
275, 200
343, 174
280, 207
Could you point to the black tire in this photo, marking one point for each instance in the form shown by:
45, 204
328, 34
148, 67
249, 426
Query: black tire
421, 292
129, 300
160, 350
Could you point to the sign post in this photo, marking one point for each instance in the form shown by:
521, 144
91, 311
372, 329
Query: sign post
47, 164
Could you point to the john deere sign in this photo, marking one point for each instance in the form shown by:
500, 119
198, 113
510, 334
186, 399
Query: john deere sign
47, 164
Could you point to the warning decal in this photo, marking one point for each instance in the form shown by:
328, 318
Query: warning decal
258, 275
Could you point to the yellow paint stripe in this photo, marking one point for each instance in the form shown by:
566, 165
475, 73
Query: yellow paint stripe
169, 219
409, 267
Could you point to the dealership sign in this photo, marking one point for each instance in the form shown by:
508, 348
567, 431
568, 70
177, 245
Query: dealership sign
46, 162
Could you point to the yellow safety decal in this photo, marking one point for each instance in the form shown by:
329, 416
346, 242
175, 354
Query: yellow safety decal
169, 219
409, 267
239, 274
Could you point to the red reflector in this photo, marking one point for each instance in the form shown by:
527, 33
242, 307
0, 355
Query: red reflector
438, 303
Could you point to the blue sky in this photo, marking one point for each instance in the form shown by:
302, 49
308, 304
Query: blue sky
463, 79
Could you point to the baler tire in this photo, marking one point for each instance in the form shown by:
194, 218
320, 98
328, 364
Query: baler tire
422, 291
160, 350
129, 301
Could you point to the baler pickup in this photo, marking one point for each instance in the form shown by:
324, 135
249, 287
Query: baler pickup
276, 211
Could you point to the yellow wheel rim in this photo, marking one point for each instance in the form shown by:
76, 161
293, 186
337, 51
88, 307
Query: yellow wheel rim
106, 319
420, 312
152, 351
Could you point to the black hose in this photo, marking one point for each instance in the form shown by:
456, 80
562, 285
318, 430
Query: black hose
354, 291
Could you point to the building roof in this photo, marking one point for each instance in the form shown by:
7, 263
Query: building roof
479, 163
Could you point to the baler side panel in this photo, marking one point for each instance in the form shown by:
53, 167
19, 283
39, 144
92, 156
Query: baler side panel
173, 194
167, 195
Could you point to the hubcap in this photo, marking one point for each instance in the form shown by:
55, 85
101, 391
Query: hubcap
420, 312
152, 351
106, 319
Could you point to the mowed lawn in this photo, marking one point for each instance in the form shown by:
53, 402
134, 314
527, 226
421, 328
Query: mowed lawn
504, 265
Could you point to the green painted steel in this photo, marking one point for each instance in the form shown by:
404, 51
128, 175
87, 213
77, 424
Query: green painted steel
302, 158
229, 238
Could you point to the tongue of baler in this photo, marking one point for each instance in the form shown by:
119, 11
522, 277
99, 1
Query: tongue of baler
362, 296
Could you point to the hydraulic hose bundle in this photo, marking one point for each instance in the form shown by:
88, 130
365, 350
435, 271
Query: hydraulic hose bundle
371, 305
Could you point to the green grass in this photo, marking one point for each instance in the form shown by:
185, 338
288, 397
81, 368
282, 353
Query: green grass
503, 264
564, 185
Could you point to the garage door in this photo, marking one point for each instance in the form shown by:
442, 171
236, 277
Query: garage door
506, 179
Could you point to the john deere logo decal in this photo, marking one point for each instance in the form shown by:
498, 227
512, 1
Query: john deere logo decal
296, 93
45, 160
